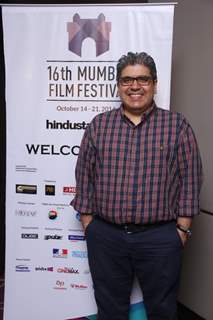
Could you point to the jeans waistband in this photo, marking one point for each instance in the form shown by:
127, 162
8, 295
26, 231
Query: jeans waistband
132, 227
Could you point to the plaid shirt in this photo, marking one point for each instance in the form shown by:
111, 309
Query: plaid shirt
142, 173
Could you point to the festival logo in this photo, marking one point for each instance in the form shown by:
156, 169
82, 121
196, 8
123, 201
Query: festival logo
81, 29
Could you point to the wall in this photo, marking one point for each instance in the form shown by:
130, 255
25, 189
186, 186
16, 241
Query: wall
192, 95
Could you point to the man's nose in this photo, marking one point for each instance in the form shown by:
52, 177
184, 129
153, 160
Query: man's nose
135, 84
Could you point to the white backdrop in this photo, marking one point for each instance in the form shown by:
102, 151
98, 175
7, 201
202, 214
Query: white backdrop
60, 72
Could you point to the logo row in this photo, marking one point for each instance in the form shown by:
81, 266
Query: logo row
63, 253
49, 190
71, 237
66, 270
52, 214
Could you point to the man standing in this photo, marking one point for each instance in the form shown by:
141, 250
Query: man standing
138, 182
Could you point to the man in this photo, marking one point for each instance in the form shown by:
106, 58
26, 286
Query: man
138, 182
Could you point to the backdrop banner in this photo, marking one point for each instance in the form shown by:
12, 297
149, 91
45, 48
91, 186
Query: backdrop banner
60, 72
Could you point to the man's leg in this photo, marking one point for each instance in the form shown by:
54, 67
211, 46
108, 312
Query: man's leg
157, 260
110, 269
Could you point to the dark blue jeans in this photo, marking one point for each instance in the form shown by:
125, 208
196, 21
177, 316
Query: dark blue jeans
115, 257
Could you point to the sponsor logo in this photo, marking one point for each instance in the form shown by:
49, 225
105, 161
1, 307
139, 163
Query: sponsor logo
52, 237
60, 285
66, 125
29, 235
25, 213
79, 254
22, 268
67, 270
26, 188
60, 253
78, 286
52, 214
50, 269
75, 237
49, 190
52, 150
81, 29
68, 190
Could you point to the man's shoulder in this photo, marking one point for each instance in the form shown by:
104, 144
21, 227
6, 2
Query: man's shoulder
170, 115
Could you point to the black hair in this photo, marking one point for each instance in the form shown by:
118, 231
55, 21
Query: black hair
137, 58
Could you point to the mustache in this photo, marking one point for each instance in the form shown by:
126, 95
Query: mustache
137, 91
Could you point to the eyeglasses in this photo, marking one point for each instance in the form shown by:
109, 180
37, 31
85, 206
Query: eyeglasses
141, 80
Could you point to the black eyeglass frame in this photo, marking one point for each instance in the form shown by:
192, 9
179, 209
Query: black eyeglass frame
141, 80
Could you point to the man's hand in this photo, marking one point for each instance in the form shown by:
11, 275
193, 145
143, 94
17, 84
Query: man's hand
85, 220
185, 222
183, 237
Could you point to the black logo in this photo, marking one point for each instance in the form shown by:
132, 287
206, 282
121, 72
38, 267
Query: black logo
29, 235
66, 125
52, 237
49, 190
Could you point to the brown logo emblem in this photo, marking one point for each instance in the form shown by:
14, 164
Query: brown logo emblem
97, 29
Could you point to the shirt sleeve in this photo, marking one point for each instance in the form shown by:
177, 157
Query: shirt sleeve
84, 172
190, 173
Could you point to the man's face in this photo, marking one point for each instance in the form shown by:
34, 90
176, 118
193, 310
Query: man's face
138, 95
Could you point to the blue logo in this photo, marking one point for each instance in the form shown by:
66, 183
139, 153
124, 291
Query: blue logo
75, 237
79, 254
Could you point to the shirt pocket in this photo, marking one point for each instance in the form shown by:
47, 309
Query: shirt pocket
160, 155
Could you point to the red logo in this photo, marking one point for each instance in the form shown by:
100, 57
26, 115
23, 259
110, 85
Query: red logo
78, 286
69, 190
